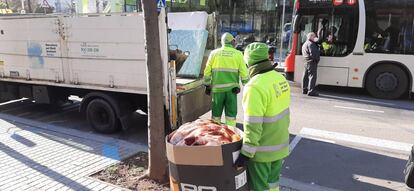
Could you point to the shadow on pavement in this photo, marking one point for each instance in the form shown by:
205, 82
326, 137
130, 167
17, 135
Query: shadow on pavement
343, 168
41, 168
22, 140
59, 150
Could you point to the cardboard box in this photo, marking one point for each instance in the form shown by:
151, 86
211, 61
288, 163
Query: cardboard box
206, 168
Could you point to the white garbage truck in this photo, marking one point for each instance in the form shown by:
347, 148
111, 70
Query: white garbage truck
97, 57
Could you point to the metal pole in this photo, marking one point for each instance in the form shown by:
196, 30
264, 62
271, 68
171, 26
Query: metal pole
282, 23
125, 6
173, 94
292, 25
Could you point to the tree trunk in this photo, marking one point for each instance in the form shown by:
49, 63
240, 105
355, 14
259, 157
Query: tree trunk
157, 167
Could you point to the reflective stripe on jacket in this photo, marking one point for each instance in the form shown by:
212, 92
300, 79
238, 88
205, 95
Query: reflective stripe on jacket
266, 100
225, 68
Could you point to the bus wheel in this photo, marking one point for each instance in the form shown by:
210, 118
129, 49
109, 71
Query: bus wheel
102, 117
387, 82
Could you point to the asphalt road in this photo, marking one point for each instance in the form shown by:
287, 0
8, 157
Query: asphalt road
342, 140
350, 141
346, 140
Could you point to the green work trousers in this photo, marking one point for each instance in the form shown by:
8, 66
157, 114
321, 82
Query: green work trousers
228, 101
264, 176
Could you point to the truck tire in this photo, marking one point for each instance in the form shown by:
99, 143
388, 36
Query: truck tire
387, 82
101, 116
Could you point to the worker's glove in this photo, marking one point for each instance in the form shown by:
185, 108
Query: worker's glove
207, 90
241, 161
236, 90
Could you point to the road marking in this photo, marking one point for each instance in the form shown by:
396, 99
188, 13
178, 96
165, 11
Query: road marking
75, 98
380, 143
390, 184
294, 142
358, 109
296, 185
12, 101
359, 100
22, 106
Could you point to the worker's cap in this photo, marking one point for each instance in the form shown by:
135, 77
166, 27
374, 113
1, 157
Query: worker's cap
226, 38
255, 53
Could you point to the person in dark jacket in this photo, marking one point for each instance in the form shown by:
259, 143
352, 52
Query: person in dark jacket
311, 54
323, 31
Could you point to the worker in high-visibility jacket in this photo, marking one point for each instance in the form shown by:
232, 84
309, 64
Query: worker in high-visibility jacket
266, 100
225, 67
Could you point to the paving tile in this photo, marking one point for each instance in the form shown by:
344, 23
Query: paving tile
61, 159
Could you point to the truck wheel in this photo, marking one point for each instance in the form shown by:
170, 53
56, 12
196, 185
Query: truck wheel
387, 82
102, 117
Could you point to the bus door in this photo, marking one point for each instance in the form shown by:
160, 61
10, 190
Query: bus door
337, 29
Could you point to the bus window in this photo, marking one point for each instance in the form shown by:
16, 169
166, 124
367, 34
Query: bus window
323, 29
389, 27
337, 31
304, 27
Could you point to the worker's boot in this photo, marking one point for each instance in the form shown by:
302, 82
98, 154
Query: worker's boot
231, 121
216, 119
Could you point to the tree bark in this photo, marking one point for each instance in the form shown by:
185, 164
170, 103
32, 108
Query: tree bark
157, 167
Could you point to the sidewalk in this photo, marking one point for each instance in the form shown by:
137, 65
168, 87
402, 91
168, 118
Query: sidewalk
39, 156
34, 158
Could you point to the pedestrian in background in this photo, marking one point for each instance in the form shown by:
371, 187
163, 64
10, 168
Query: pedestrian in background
311, 54
225, 67
266, 100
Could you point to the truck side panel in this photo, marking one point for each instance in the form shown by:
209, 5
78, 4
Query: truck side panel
107, 51
30, 49
89, 52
